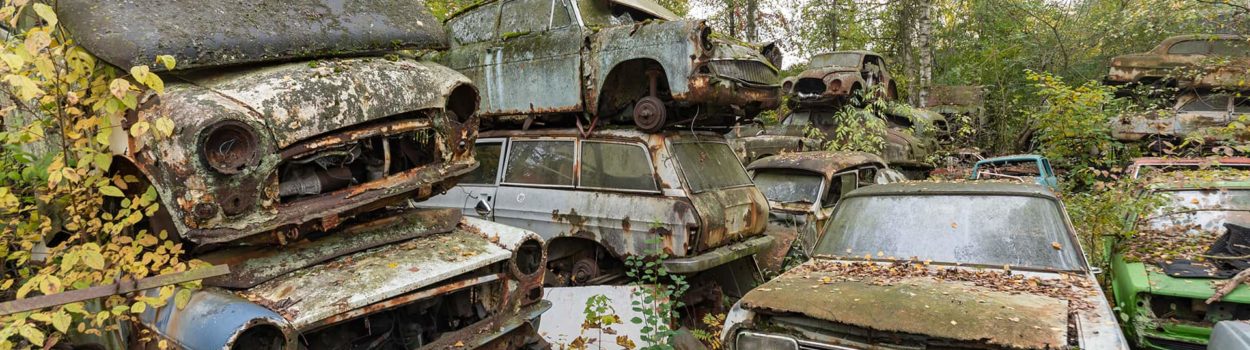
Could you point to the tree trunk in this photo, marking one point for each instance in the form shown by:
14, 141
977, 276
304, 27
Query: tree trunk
732, 10
925, 46
752, 19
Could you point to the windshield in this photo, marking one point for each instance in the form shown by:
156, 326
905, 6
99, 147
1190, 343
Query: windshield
836, 60
992, 230
788, 186
1203, 210
710, 165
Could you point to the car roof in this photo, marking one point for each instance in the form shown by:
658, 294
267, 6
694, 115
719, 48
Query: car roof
1014, 157
646, 6
1167, 42
861, 52
602, 133
1191, 161
980, 187
824, 162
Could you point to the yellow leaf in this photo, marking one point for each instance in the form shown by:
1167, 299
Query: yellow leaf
138, 307
119, 87
182, 298
167, 60
15, 62
31, 333
61, 321
36, 41
140, 73
46, 12
111, 191
50, 285
140, 128
164, 126
93, 258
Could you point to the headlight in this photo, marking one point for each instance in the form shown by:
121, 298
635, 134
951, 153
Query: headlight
834, 85
230, 146
528, 258
753, 341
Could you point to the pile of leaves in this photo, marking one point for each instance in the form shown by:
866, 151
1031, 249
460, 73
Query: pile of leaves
1154, 246
1071, 288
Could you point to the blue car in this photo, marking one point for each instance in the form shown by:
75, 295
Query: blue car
1018, 167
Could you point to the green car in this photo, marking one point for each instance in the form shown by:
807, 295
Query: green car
1163, 274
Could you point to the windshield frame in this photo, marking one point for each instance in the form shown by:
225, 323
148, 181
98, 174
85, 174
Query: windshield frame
820, 191
1083, 259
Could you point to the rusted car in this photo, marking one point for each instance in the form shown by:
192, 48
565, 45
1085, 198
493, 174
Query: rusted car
1145, 165
926, 265
617, 59
833, 78
1201, 116
600, 198
802, 190
1021, 167
293, 167
1188, 61
754, 142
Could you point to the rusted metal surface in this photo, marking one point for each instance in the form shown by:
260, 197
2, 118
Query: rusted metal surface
122, 287
254, 265
590, 60
298, 113
839, 75
1188, 69
220, 32
1192, 117
407, 298
1169, 164
822, 162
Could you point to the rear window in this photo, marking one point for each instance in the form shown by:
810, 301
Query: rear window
616, 166
710, 166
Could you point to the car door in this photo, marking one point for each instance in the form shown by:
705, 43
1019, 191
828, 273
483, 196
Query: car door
1204, 111
537, 179
473, 35
475, 193
536, 66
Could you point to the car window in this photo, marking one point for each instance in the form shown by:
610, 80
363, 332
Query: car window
842, 183
545, 162
1189, 47
1046, 167
789, 185
867, 176
1241, 105
709, 166
488, 164
616, 166
561, 14
1235, 48
524, 16
1207, 103
474, 26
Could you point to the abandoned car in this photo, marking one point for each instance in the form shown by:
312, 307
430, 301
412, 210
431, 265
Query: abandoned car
833, 78
600, 198
1201, 61
1150, 165
293, 166
754, 142
1023, 167
1204, 117
802, 190
1169, 277
929, 265
613, 59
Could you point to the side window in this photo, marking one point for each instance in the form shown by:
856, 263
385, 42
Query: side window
561, 14
1207, 103
488, 165
1233, 48
524, 16
841, 185
474, 26
1241, 105
867, 176
1189, 47
616, 166
1046, 170
540, 163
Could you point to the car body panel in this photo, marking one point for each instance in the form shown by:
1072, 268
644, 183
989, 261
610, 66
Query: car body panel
1164, 164
1230, 335
213, 33
1178, 123
1158, 64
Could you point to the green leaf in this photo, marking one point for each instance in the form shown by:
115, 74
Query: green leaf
182, 298
61, 321
32, 333
103, 161
111, 191
139, 128
44, 11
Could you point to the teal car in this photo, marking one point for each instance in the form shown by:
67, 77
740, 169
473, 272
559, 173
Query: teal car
1019, 167
1164, 276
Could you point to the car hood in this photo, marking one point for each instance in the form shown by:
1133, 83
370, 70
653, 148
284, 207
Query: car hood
820, 73
209, 33
951, 310
1160, 283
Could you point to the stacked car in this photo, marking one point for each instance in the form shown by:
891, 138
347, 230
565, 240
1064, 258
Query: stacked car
293, 159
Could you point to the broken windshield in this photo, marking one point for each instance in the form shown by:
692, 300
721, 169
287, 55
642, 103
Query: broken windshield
1203, 209
991, 230
836, 60
788, 186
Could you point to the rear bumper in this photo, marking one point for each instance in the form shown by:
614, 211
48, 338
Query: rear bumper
718, 256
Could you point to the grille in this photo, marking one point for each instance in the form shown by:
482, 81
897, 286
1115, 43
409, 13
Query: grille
750, 71
1175, 345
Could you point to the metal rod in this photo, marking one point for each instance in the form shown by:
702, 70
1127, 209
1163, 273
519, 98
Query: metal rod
121, 287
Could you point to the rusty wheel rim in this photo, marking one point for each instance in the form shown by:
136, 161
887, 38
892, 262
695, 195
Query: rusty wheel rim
650, 114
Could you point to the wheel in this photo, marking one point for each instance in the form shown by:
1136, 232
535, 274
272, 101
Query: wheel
650, 115
584, 270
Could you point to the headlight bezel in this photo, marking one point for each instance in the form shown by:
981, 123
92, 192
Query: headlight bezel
241, 138
774, 341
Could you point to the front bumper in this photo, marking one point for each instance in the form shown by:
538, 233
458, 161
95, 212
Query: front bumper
718, 256
715, 90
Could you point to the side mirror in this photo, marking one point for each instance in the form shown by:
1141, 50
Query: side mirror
483, 208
